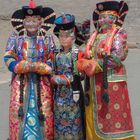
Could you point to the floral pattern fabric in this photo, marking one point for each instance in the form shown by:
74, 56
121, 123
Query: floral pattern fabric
67, 104
29, 49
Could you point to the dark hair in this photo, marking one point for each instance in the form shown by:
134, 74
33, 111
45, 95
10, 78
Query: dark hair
21, 88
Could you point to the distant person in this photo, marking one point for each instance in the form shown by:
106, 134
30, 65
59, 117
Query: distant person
108, 113
26, 56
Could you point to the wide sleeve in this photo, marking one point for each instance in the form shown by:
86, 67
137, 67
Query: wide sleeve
10, 57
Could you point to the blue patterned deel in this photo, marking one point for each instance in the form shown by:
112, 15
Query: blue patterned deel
32, 127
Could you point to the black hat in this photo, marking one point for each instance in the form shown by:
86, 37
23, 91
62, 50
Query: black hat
108, 6
121, 8
28, 11
66, 22
46, 13
83, 32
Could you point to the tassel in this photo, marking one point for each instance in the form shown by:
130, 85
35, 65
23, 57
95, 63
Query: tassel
87, 99
20, 112
39, 104
41, 117
32, 4
105, 97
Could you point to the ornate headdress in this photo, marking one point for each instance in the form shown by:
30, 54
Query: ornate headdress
113, 7
47, 14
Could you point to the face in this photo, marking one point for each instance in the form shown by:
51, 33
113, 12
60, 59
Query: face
66, 38
106, 21
32, 24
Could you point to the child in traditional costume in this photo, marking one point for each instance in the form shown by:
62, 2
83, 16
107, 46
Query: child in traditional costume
68, 93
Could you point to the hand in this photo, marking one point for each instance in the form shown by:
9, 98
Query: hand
22, 67
60, 80
81, 64
41, 68
90, 67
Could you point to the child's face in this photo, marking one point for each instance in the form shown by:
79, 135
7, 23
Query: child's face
66, 39
32, 24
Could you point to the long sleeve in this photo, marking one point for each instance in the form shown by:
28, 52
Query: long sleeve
51, 47
10, 56
119, 50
